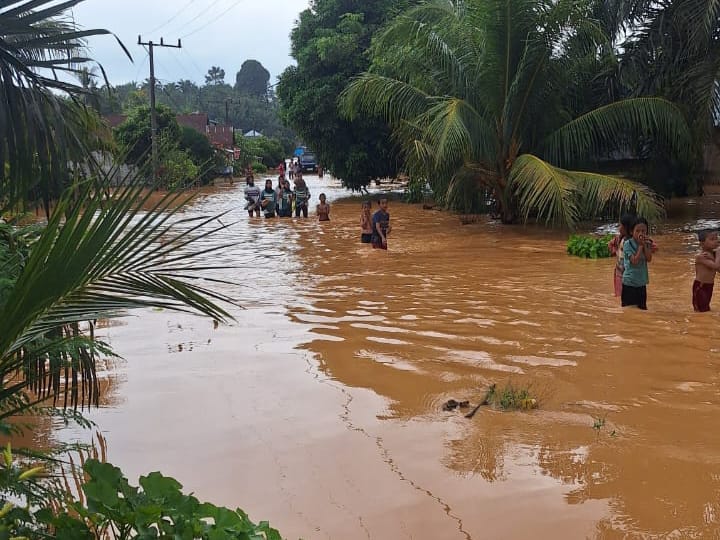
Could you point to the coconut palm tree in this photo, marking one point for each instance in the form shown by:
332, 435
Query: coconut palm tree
43, 125
674, 51
480, 96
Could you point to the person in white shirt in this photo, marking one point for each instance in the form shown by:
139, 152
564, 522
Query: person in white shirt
252, 196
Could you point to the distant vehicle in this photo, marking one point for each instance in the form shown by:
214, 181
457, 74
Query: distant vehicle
307, 162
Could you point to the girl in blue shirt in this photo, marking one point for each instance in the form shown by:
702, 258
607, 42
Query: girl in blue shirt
637, 253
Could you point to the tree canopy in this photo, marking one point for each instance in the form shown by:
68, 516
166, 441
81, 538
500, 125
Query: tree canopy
252, 79
215, 75
482, 96
330, 44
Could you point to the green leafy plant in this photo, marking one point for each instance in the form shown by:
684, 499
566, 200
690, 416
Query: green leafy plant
589, 247
259, 168
102, 504
511, 398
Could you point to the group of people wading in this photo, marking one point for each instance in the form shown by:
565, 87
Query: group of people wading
282, 200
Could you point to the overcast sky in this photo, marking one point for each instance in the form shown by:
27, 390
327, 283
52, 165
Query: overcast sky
223, 33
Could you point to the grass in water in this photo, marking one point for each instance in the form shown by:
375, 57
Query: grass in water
512, 398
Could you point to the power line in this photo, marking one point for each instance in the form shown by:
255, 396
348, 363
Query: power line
142, 65
195, 64
233, 6
171, 19
205, 11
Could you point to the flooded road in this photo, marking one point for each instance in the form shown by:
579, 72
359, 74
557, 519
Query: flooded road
319, 409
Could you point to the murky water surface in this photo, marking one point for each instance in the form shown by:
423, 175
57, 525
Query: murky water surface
320, 408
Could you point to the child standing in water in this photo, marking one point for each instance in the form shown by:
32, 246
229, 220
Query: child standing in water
707, 263
323, 209
616, 250
366, 227
637, 253
381, 225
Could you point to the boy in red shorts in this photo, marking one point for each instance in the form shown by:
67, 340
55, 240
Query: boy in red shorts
707, 263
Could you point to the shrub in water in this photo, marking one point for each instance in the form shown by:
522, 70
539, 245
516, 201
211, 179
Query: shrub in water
589, 247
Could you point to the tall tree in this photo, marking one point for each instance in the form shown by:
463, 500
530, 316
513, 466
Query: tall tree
215, 76
134, 135
477, 92
252, 79
330, 45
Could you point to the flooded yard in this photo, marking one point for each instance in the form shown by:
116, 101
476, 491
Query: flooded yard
320, 408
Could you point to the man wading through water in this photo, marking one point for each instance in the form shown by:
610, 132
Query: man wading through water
252, 196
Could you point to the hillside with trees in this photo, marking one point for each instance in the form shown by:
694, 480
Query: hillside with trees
249, 104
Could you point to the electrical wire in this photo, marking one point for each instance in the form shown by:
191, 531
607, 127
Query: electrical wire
142, 64
171, 19
194, 63
233, 6
205, 11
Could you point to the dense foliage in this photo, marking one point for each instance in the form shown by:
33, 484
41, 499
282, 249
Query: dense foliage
134, 135
252, 79
481, 96
265, 150
589, 247
113, 508
187, 154
330, 45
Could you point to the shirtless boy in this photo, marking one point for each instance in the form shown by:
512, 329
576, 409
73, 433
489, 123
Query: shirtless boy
707, 263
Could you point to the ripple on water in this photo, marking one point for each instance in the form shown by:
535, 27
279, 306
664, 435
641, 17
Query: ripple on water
387, 341
541, 361
387, 359
481, 359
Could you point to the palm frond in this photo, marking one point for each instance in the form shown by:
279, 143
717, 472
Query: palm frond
41, 122
602, 195
544, 192
102, 257
387, 98
610, 127
563, 197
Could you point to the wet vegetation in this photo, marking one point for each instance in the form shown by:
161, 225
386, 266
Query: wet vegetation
509, 397
589, 247
108, 506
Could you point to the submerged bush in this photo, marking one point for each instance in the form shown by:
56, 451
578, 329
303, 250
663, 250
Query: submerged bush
589, 247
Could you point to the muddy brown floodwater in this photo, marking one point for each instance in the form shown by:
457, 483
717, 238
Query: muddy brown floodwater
320, 408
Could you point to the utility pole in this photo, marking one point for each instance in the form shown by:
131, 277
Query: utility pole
227, 102
153, 112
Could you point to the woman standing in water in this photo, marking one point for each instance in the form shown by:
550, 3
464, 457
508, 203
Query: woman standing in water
302, 196
268, 199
